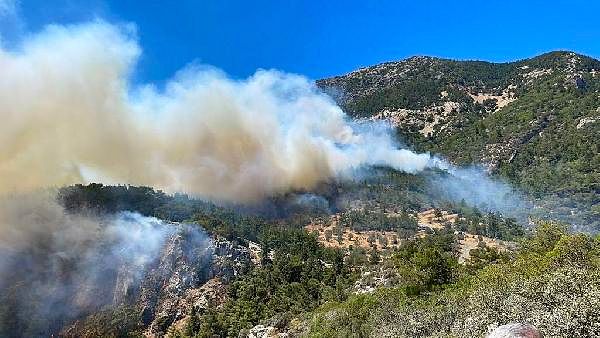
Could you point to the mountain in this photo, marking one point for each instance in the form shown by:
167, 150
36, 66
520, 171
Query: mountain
383, 255
534, 122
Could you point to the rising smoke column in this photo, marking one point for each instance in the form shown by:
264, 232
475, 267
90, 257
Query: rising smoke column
70, 114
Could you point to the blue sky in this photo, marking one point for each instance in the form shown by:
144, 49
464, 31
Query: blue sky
321, 38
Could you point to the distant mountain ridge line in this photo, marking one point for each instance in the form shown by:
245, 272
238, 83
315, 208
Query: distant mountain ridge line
440, 58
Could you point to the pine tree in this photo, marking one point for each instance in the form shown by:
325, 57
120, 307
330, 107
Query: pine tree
192, 325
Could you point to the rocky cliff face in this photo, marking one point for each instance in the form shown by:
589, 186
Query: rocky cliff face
185, 262
191, 271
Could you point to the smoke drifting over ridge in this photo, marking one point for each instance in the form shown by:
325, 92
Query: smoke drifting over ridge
71, 115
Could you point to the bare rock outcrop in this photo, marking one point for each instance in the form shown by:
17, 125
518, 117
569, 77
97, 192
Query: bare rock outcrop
179, 280
191, 271
515, 330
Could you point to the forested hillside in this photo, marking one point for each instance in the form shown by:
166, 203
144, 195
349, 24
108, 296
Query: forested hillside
384, 254
551, 283
535, 121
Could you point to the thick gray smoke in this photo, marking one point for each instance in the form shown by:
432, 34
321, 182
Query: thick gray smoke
70, 114
55, 267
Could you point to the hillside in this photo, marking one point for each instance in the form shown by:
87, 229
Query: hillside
385, 254
534, 121
552, 283
260, 277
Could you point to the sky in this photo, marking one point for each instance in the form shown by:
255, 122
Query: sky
318, 38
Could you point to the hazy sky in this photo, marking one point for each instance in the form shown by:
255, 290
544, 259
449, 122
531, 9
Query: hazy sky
319, 38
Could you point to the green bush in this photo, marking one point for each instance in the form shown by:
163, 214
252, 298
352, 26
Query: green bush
553, 283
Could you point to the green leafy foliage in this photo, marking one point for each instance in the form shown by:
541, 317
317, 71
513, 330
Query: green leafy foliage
552, 283
300, 276
426, 263
120, 322
99, 198
490, 224
361, 220
545, 141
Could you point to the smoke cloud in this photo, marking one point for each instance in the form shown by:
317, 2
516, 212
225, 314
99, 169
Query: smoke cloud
56, 267
473, 186
70, 114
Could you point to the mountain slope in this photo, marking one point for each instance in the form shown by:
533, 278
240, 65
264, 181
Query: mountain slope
534, 121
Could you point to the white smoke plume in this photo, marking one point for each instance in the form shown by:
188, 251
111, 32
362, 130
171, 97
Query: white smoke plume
70, 114
473, 186
56, 267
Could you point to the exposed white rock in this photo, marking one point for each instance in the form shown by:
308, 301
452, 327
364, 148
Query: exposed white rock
587, 120
501, 100
262, 331
515, 330
536, 73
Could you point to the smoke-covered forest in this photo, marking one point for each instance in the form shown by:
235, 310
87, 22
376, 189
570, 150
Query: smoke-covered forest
425, 197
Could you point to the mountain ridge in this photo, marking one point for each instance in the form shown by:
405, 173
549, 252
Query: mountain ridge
533, 122
417, 57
